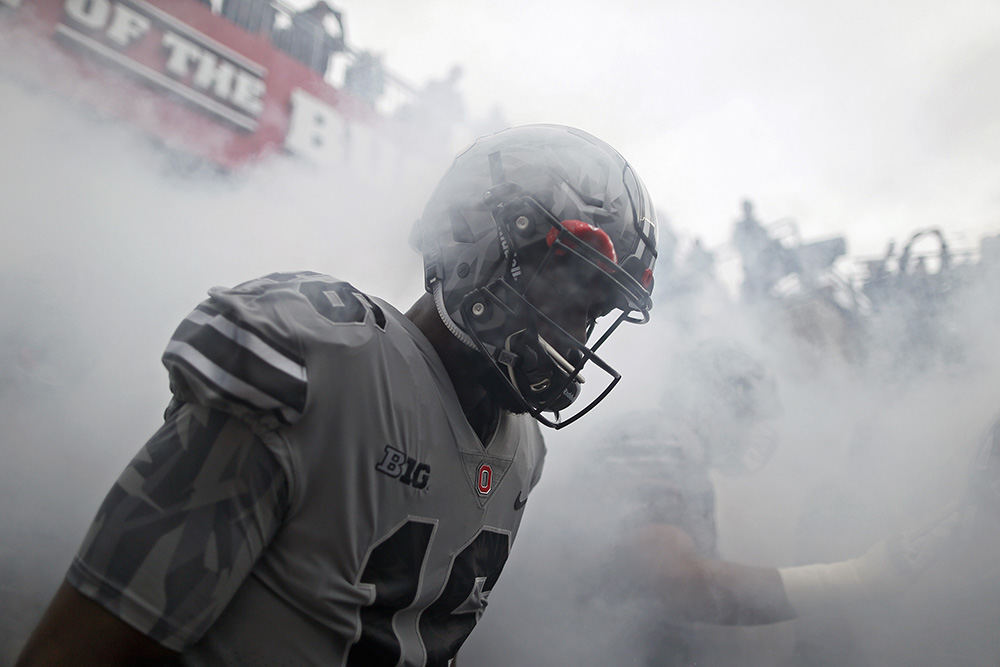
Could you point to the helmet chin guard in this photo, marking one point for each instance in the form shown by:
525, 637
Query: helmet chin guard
536, 210
533, 375
543, 379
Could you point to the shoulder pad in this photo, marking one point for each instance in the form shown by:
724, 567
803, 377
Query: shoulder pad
219, 359
241, 350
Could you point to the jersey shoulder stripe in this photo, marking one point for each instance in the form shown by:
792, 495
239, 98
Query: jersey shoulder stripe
216, 356
244, 336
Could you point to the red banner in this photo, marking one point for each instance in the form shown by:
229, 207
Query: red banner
193, 79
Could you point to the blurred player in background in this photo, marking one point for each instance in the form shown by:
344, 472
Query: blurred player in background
665, 563
717, 413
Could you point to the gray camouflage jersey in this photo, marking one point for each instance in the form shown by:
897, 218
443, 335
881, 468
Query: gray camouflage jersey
316, 494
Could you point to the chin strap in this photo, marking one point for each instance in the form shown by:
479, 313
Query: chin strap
560, 360
463, 337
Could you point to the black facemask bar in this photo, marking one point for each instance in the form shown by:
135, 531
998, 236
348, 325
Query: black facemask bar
499, 294
507, 294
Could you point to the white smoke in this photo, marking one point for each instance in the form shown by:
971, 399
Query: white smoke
868, 445
108, 245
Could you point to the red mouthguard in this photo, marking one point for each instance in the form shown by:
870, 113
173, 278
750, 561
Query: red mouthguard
595, 237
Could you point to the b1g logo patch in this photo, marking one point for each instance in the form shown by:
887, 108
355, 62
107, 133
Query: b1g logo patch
406, 469
485, 479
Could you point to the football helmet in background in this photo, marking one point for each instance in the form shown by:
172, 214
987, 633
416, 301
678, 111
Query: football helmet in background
522, 208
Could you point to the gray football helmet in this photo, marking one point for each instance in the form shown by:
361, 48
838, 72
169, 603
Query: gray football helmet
513, 207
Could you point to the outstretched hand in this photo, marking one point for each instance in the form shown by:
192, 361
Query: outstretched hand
664, 562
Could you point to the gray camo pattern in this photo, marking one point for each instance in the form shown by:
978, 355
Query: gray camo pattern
183, 525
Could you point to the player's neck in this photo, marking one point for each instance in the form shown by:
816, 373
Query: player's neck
481, 411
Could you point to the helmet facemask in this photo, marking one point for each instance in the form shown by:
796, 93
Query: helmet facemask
548, 264
526, 224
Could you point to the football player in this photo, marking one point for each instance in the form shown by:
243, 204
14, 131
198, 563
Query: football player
716, 413
650, 473
667, 551
337, 482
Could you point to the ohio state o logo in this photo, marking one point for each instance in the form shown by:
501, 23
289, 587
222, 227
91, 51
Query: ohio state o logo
485, 478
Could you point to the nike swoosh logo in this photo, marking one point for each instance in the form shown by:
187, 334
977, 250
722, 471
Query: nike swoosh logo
518, 503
